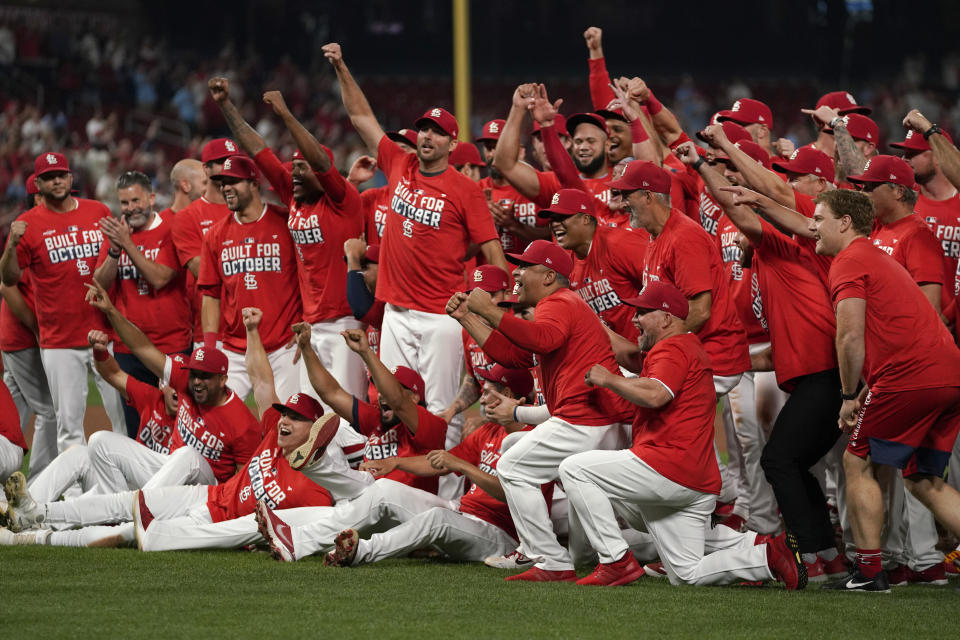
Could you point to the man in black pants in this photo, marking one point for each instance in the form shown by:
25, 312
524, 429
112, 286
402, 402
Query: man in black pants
802, 329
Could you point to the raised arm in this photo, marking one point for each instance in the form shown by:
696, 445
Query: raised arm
257, 364
947, 155
10, 272
326, 386
139, 344
247, 136
361, 115
106, 365
757, 176
387, 384
851, 160
506, 157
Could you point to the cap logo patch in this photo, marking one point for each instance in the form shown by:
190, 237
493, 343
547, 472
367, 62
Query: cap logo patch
51, 159
817, 169
198, 356
866, 166
226, 164
846, 120
494, 127
665, 305
794, 154
646, 184
893, 177
548, 260
435, 113
850, 98
555, 199
229, 145
736, 106
295, 398
909, 134
477, 275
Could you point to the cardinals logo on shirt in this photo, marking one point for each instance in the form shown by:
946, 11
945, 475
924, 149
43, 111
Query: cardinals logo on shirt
250, 282
83, 268
408, 228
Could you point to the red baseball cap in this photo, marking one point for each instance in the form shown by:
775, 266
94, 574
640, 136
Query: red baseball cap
209, 360
466, 153
404, 136
641, 174
372, 254
753, 150
218, 149
914, 141
734, 132
491, 278
545, 253
748, 111
442, 118
299, 156
49, 162
843, 102
661, 295
886, 169
569, 202
519, 381
238, 167
32, 184
590, 118
491, 130
859, 127
612, 114
807, 160
559, 122
410, 379
303, 404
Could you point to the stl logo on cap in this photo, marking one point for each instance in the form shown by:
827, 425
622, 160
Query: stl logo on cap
198, 356
794, 154
851, 99
494, 127
909, 134
866, 167
229, 145
51, 159
555, 199
477, 275
435, 113
736, 106
295, 398
226, 164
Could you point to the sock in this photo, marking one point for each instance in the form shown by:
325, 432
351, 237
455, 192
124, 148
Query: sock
869, 562
828, 555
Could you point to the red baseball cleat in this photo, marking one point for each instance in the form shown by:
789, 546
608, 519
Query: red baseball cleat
536, 574
932, 575
321, 433
785, 563
614, 574
655, 570
276, 532
815, 570
345, 549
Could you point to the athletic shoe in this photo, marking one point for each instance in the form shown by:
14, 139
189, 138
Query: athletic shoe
932, 575
9, 538
836, 568
899, 576
786, 565
142, 517
23, 512
815, 571
655, 570
951, 570
513, 560
344, 549
614, 574
856, 581
536, 574
276, 532
321, 433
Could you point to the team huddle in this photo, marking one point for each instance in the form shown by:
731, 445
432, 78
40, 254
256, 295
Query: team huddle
602, 301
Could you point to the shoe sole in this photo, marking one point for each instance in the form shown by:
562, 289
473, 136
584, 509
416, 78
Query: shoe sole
622, 582
653, 573
321, 433
344, 549
794, 547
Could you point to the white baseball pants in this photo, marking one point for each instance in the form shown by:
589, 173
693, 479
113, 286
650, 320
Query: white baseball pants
11, 458
911, 529
66, 371
675, 516
121, 464
534, 460
23, 373
383, 504
457, 535
344, 365
286, 374
69, 468
729, 472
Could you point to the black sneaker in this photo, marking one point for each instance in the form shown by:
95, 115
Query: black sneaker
856, 581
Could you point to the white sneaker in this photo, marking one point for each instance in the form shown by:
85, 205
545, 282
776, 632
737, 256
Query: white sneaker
513, 560
9, 538
23, 512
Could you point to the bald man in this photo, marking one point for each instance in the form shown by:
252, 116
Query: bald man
189, 181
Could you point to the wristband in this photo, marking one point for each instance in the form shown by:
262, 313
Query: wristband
654, 106
637, 132
934, 128
836, 122
515, 413
696, 165
849, 396
113, 253
100, 356
210, 339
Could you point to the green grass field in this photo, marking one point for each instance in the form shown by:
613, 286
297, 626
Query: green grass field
63, 593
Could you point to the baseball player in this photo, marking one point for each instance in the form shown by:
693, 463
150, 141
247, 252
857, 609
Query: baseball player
376, 201
480, 526
795, 305
192, 222
906, 415
189, 182
324, 212
362, 269
12, 444
435, 214
248, 260
466, 159
138, 264
564, 334
57, 243
844, 103
855, 138
667, 482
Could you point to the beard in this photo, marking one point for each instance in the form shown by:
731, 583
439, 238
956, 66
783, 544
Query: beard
924, 178
591, 166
